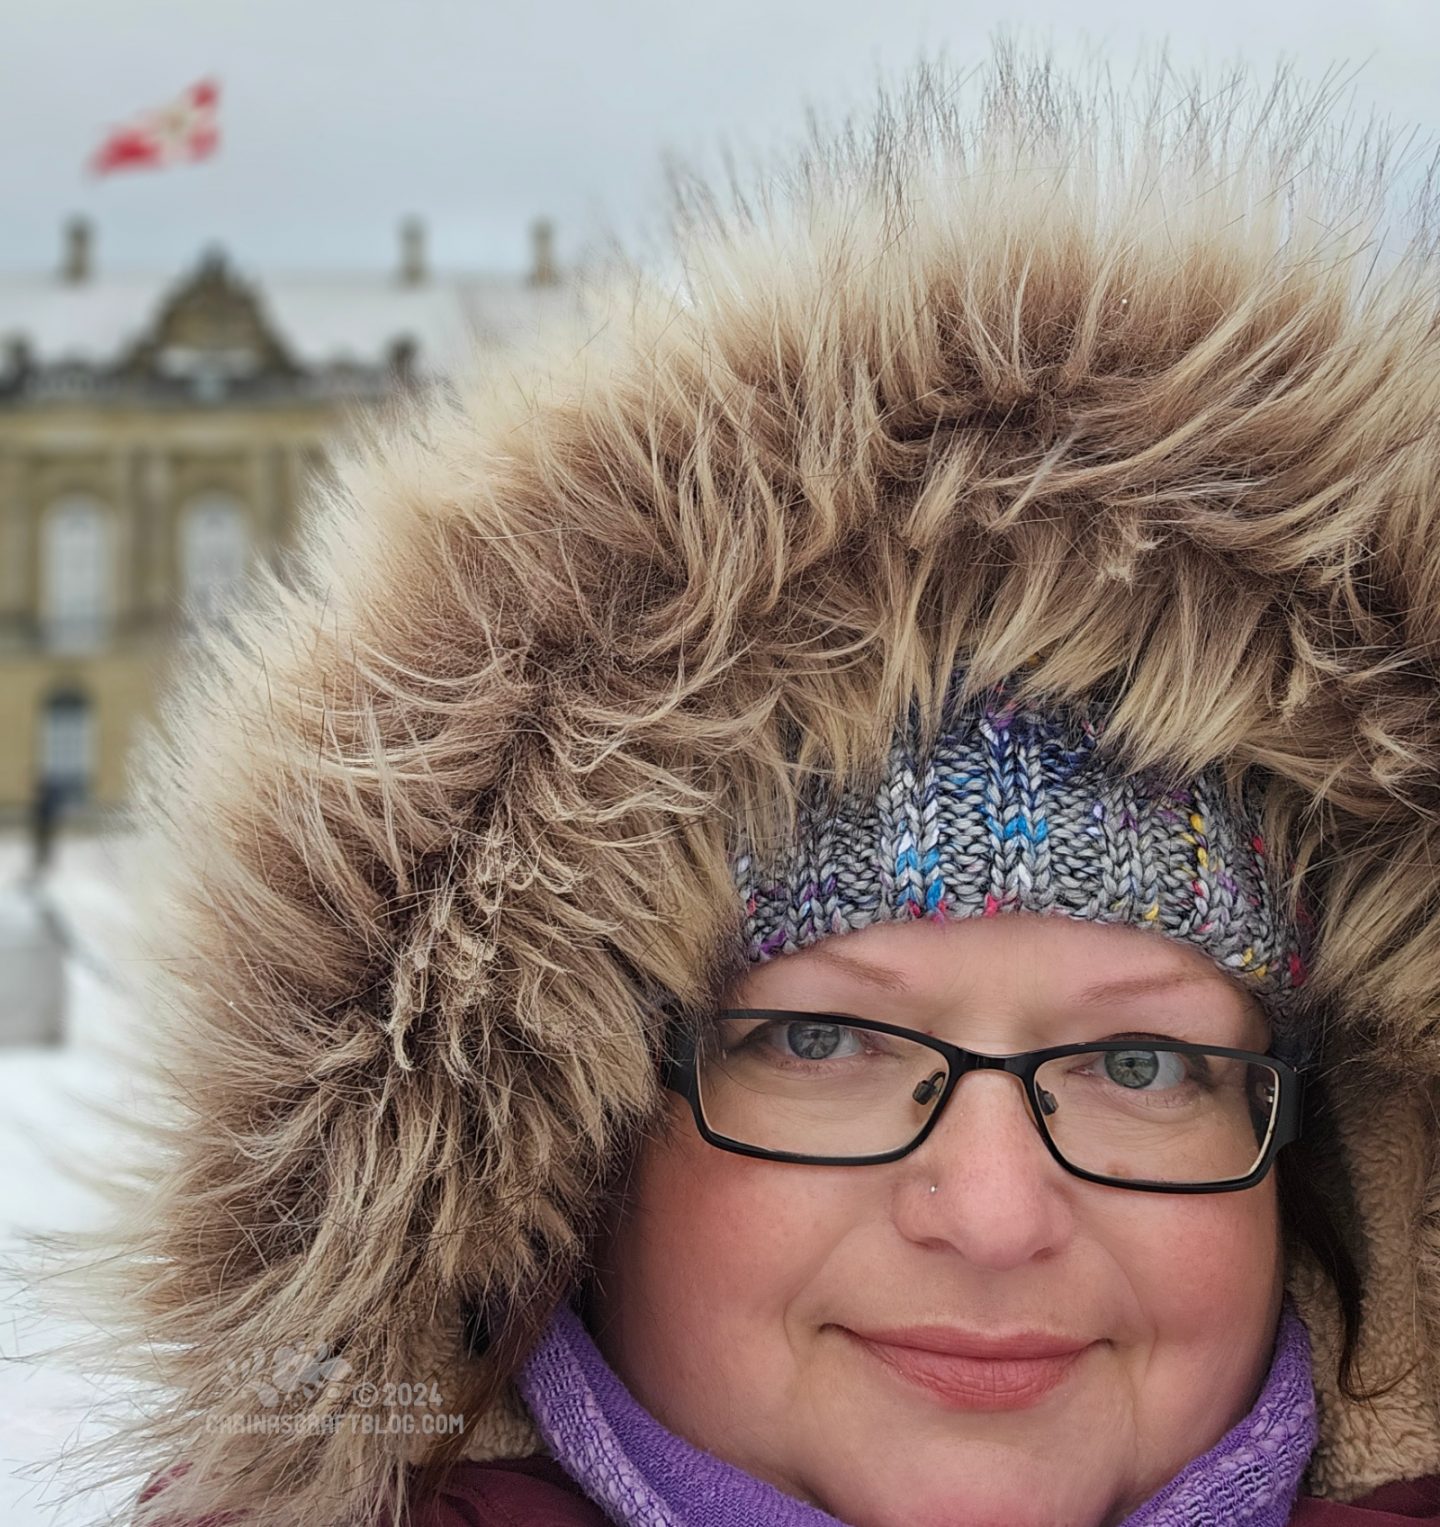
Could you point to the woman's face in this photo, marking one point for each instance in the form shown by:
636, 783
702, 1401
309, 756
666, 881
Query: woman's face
753, 1306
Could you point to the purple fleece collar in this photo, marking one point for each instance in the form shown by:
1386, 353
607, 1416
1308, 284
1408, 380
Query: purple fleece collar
645, 1476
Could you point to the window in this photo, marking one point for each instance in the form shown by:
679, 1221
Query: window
215, 551
77, 580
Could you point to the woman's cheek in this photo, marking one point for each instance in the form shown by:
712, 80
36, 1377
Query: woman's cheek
714, 1255
1170, 1256
1195, 1327
738, 1226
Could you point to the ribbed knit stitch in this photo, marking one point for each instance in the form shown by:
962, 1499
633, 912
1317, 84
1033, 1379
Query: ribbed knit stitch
1014, 810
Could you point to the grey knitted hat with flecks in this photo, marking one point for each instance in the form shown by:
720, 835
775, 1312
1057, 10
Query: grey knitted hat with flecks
1014, 810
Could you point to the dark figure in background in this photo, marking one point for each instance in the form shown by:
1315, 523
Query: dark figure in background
45, 808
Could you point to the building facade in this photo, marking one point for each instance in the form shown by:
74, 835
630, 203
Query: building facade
156, 440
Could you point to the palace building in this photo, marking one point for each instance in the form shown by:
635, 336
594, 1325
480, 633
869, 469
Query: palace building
156, 436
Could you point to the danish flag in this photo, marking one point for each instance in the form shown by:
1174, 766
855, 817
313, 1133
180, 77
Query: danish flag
179, 133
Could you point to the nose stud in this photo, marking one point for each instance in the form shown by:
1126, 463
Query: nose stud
933, 1187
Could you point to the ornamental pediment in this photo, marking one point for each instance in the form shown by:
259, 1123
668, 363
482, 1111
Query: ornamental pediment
212, 324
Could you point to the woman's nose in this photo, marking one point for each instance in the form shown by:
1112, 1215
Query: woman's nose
984, 1183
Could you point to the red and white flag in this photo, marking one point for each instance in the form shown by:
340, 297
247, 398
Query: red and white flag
179, 133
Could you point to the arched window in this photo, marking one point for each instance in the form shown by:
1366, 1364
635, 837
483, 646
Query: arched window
67, 744
78, 577
214, 553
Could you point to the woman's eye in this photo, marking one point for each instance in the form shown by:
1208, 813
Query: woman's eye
1145, 1069
817, 1041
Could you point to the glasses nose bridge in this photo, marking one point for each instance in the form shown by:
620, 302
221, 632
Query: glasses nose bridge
966, 1062
974, 1060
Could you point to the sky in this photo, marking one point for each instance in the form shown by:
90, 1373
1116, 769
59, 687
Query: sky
338, 120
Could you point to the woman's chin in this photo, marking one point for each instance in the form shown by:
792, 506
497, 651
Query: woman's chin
971, 1502
965, 1485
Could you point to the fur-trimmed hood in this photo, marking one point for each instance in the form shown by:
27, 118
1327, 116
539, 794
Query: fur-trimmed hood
453, 798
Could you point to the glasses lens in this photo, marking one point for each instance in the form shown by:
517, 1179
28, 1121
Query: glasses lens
1154, 1114
815, 1086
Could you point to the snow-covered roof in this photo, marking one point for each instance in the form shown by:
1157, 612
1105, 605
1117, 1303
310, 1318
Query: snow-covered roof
321, 318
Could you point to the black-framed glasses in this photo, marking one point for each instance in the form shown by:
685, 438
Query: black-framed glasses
829, 1089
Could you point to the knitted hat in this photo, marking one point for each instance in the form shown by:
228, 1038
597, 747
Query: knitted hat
1014, 810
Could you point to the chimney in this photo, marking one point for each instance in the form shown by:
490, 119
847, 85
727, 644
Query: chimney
400, 358
412, 252
79, 243
19, 362
542, 249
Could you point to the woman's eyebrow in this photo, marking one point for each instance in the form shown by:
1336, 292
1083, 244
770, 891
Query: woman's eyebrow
888, 979
872, 975
1129, 986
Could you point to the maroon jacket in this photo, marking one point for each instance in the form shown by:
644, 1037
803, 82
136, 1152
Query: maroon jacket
535, 1493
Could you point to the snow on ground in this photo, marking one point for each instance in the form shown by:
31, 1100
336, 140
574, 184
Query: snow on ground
45, 1123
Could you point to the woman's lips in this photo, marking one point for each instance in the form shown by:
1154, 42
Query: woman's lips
970, 1371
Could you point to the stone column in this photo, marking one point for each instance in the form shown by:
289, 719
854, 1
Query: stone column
264, 495
127, 621
265, 491
157, 495
16, 601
